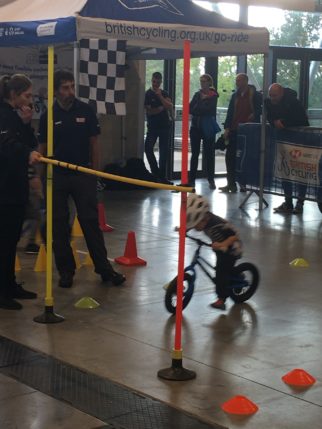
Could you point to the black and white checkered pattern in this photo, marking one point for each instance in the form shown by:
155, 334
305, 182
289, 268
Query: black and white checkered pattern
101, 75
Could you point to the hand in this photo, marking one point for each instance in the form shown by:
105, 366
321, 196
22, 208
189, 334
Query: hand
219, 246
278, 124
34, 157
226, 133
25, 113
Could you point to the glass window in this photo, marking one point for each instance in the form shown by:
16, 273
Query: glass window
299, 29
228, 10
288, 73
315, 89
269, 17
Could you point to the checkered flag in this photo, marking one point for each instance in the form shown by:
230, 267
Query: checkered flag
101, 75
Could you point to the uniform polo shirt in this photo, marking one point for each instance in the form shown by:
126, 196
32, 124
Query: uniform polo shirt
160, 120
73, 129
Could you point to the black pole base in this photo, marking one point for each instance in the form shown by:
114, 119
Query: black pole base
49, 316
176, 372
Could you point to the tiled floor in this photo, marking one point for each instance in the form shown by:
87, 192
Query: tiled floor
244, 350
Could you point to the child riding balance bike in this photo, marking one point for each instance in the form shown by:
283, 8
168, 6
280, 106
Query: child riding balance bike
238, 282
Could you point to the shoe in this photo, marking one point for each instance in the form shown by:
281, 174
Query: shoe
284, 208
31, 248
242, 188
20, 293
66, 280
165, 181
113, 276
212, 184
219, 304
298, 209
10, 304
226, 189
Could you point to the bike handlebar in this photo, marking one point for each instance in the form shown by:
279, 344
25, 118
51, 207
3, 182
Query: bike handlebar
198, 241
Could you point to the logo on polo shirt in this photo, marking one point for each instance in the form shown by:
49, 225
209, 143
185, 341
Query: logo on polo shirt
80, 120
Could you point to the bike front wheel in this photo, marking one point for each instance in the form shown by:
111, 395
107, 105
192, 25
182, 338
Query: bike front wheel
244, 282
170, 299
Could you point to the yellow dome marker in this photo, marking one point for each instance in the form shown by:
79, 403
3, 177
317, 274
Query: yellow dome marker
86, 302
299, 262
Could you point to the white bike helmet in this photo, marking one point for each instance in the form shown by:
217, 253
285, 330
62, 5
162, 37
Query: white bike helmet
197, 207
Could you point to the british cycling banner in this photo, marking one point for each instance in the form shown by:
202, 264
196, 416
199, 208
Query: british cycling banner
297, 163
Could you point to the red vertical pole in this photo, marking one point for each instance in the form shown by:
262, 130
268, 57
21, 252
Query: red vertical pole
176, 371
184, 179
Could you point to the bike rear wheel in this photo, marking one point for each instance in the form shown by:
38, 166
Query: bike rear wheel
170, 299
244, 282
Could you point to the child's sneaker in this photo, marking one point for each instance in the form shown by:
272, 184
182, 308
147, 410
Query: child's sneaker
219, 304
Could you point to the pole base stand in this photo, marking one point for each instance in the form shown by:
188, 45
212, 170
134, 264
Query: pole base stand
176, 372
49, 316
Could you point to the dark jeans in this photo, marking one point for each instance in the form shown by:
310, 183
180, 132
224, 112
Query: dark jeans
230, 159
300, 192
82, 188
152, 136
209, 154
11, 219
224, 267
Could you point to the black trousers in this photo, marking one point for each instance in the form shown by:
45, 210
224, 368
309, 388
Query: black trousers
209, 154
152, 136
11, 220
82, 188
224, 267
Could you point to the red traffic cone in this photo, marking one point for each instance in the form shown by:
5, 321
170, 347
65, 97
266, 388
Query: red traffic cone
101, 219
240, 405
298, 377
130, 255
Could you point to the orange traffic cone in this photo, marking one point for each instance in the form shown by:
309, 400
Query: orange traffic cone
240, 405
76, 229
75, 254
17, 264
298, 377
41, 261
101, 219
88, 261
130, 255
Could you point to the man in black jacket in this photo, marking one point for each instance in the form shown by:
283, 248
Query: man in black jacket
285, 110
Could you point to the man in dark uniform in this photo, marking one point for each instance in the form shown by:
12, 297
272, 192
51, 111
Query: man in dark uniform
75, 141
158, 105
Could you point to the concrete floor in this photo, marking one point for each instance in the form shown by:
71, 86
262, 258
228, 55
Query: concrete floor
244, 350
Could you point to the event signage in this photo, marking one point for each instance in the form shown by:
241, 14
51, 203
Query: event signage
297, 162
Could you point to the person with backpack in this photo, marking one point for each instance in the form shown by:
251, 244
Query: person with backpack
203, 127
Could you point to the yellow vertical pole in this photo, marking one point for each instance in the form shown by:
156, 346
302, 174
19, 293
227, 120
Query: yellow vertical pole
49, 316
49, 301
